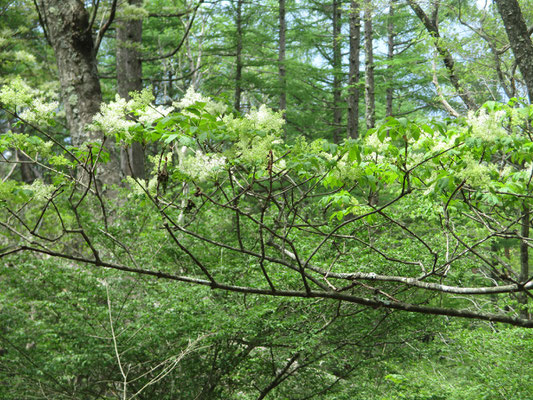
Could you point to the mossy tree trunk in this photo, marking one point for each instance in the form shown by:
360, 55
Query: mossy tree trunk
66, 23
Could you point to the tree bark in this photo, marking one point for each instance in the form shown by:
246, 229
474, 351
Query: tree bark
129, 79
520, 40
337, 71
281, 57
390, 56
67, 25
432, 27
522, 46
370, 101
353, 78
524, 259
238, 57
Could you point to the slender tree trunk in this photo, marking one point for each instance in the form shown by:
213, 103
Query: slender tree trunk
390, 57
522, 46
337, 71
129, 79
281, 57
67, 26
431, 25
353, 79
194, 60
520, 40
370, 101
524, 259
238, 56
27, 172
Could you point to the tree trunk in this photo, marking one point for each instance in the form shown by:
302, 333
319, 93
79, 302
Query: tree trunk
522, 46
337, 71
129, 79
519, 39
432, 27
68, 29
67, 26
27, 172
524, 259
238, 56
390, 57
370, 101
281, 57
353, 78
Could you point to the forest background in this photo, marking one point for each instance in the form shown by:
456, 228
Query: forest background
278, 199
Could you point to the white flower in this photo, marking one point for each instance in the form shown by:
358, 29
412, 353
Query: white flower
201, 167
41, 191
31, 103
150, 114
487, 127
476, 173
111, 119
374, 141
191, 97
23, 57
39, 111
416, 158
17, 93
279, 165
265, 118
506, 172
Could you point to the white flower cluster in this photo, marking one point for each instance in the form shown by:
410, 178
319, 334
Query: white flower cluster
252, 147
442, 144
31, 103
436, 144
41, 191
17, 94
380, 149
40, 112
150, 114
415, 158
487, 127
191, 97
476, 173
344, 169
23, 57
373, 141
111, 119
201, 167
266, 119
255, 150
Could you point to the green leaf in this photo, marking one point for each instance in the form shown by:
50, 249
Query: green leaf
171, 138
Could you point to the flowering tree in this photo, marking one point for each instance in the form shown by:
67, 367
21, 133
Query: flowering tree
423, 217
